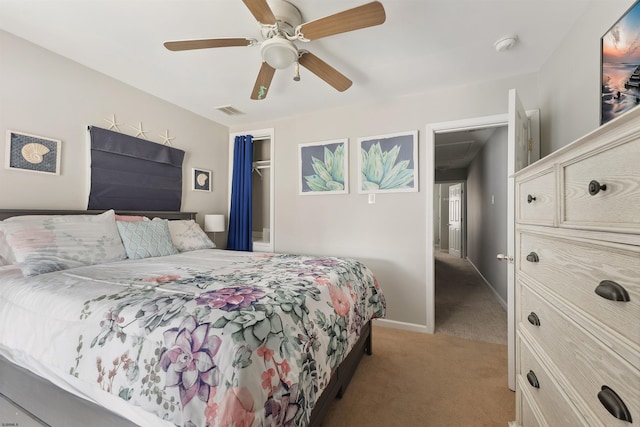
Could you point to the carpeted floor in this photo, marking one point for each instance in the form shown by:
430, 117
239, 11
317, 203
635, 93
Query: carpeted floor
456, 377
415, 379
465, 306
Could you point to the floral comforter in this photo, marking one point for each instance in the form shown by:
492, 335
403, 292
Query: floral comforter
202, 338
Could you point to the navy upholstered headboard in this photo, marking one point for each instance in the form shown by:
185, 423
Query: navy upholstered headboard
133, 174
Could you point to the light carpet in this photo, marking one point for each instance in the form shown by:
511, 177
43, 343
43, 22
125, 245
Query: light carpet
415, 379
465, 305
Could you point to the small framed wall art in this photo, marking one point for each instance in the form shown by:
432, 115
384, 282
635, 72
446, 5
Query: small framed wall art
620, 66
324, 167
388, 163
32, 153
201, 179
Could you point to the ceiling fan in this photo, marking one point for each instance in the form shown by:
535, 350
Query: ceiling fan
281, 25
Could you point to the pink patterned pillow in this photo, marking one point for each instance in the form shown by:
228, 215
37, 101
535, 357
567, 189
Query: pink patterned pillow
131, 218
59, 242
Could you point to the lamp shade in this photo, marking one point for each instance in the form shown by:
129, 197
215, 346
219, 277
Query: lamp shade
214, 223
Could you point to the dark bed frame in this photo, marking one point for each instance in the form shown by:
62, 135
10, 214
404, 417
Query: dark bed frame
53, 406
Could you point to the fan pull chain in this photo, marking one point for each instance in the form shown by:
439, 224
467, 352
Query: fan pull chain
296, 77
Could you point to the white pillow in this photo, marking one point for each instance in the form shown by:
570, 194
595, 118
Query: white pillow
188, 236
59, 242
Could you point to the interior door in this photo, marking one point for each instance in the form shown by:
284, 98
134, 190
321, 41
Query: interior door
518, 156
455, 220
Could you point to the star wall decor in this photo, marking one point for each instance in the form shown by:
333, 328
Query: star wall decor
166, 139
140, 131
113, 125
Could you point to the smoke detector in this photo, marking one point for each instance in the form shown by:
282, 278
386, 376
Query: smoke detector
505, 43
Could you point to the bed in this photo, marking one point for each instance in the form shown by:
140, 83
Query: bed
197, 337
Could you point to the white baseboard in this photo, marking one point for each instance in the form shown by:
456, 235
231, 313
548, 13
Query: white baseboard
385, 323
502, 302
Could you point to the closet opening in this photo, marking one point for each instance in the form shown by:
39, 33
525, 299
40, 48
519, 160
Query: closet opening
261, 187
262, 182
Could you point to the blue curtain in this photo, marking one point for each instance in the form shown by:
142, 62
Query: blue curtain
241, 215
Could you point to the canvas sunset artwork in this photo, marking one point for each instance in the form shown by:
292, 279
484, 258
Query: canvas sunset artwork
621, 66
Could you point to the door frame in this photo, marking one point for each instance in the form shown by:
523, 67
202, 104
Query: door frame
431, 130
457, 126
464, 209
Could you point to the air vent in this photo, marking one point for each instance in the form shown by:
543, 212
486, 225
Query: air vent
229, 110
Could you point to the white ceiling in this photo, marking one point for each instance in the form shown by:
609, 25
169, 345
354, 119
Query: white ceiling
423, 45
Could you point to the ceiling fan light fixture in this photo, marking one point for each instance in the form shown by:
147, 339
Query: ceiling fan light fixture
279, 52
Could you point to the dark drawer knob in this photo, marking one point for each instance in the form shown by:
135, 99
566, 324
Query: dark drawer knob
533, 319
595, 187
530, 198
533, 380
612, 291
533, 257
612, 403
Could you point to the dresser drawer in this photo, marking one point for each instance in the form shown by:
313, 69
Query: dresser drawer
536, 199
616, 207
584, 361
553, 403
573, 269
524, 406
528, 417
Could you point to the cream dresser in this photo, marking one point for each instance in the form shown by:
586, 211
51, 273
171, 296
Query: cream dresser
578, 282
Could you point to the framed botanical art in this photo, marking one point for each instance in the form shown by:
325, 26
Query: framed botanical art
324, 167
620, 66
201, 179
32, 153
388, 163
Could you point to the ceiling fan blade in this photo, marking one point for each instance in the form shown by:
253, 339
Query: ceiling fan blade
207, 43
261, 11
364, 16
325, 71
265, 75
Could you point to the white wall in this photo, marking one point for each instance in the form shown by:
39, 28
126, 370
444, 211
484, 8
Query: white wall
390, 236
570, 83
45, 94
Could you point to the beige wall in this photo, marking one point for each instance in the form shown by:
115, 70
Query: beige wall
390, 236
45, 94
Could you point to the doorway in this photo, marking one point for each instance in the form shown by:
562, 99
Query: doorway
261, 192
453, 160
523, 147
263, 185
470, 286
444, 212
